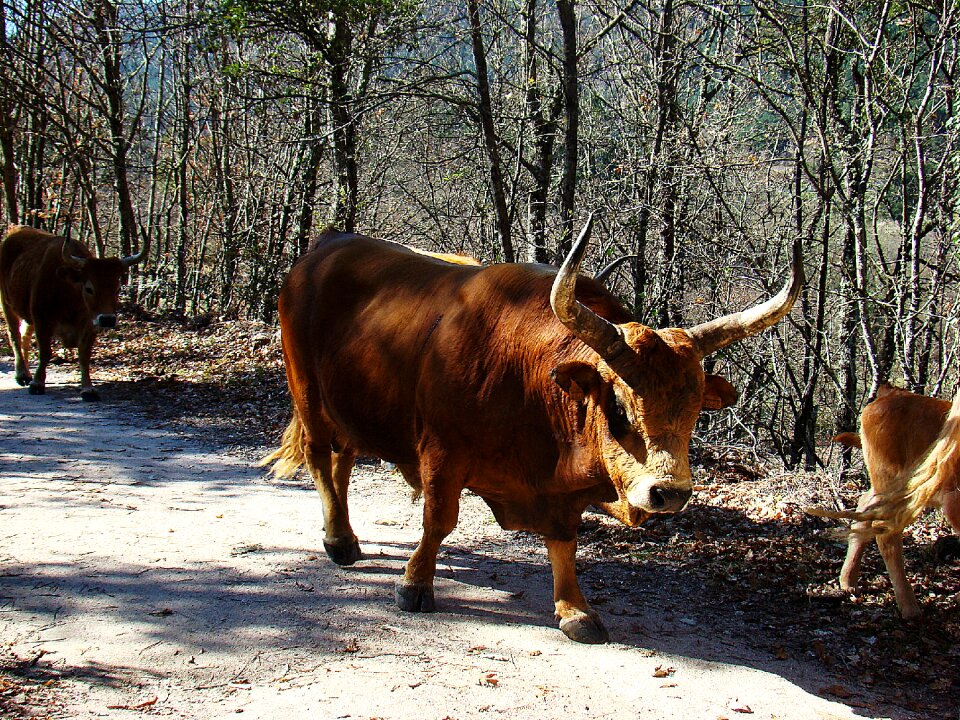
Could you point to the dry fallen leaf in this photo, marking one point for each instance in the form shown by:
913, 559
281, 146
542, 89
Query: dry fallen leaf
663, 671
490, 679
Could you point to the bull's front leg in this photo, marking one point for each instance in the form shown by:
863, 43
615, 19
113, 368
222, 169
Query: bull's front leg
84, 353
578, 620
441, 508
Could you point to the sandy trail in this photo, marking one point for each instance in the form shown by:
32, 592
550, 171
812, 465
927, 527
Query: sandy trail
149, 574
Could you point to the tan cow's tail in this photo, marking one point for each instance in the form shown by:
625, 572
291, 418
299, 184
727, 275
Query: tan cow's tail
288, 458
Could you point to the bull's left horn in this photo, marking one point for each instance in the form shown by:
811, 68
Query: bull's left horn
69, 257
715, 334
600, 334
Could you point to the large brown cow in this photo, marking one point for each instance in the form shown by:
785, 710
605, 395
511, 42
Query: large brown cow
500, 380
897, 431
59, 290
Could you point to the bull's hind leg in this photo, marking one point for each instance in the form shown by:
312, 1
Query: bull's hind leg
441, 508
578, 620
331, 476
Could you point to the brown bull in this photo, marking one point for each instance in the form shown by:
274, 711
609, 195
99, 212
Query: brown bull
897, 431
59, 290
496, 379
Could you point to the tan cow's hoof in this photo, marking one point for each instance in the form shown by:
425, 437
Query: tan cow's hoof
585, 629
346, 552
414, 598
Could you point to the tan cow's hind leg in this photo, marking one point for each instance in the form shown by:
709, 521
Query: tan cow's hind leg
891, 548
856, 545
331, 475
441, 508
578, 620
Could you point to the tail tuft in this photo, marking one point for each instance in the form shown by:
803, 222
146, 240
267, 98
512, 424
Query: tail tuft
288, 458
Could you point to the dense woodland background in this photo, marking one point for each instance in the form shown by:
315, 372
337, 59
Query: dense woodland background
708, 136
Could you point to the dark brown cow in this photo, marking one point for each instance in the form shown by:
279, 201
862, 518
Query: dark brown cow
496, 379
59, 290
897, 431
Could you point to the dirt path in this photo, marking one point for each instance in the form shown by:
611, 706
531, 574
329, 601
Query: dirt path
141, 573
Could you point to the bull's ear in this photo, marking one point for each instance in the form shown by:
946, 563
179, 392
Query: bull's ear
69, 273
718, 393
578, 379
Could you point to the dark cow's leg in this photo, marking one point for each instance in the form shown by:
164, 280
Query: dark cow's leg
38, 386
84, 352
441, 508
331, 474
578, 620
20, 345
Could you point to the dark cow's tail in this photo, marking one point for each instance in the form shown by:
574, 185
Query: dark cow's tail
288, 458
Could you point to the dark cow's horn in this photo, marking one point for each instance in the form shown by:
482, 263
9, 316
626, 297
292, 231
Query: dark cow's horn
129, 260
601, 335
715, 334
69, 257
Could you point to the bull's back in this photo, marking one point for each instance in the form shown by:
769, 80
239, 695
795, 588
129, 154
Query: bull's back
897, 430
356, 315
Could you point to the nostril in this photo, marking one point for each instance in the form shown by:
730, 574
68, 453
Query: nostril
106, 321
657, 500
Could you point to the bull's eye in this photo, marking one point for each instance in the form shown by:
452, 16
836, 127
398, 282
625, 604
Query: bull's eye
88, 288
617, 418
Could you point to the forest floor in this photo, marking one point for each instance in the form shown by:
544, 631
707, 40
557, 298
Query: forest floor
148, 567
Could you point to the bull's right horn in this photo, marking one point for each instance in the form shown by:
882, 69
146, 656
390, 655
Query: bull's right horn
710, 336
596, 332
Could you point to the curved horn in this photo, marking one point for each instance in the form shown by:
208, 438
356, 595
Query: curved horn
69, 258
715, 334
600, 334
601, 277
129, 260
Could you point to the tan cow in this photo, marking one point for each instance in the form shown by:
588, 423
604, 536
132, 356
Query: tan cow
58, 289
897, 432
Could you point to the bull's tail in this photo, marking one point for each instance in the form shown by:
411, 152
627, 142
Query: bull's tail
288, 458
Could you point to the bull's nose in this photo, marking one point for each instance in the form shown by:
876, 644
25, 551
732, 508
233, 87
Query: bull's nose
666, 498
105, 320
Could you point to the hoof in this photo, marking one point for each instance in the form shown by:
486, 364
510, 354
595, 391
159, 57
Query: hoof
23, 381
585, 629
35, 389
345, 552
414, 598
89, 395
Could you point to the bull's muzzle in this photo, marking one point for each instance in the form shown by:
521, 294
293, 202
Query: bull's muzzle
659, 497
105, 320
